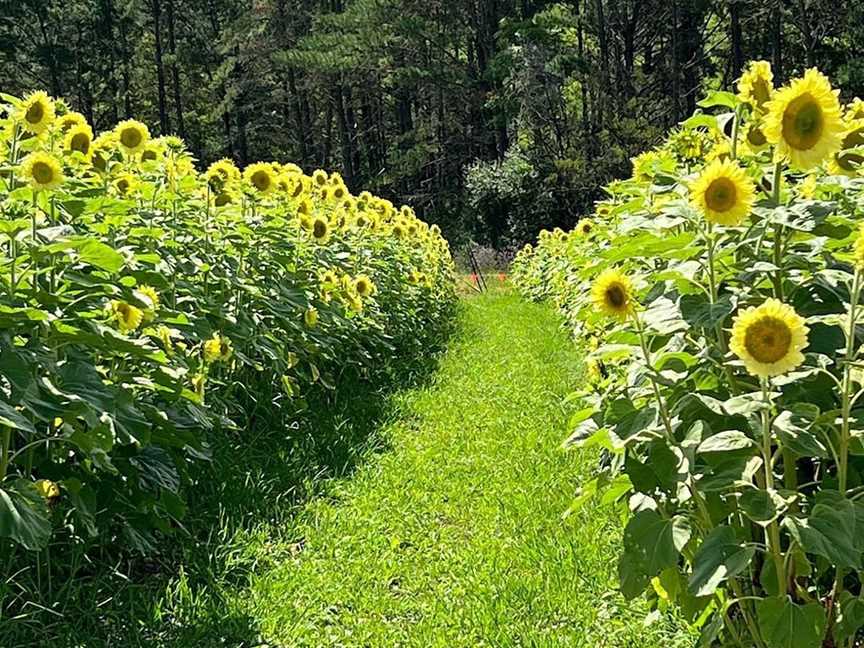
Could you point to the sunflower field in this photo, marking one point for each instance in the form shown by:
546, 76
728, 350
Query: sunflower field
145, 307
718, 294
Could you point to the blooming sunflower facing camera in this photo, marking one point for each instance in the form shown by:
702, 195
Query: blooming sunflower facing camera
36, 112
132, 136
612, 293
756, 84
804, 121
769, 338
79, 139
364, 286
320, 229
261, 177
723, 193
585, 226
42, 171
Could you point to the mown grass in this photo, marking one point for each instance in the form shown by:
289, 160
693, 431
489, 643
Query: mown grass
455, 536
429, 517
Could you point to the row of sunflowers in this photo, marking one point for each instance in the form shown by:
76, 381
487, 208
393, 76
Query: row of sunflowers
718, 293
145, 306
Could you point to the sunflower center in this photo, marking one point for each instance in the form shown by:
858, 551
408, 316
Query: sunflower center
768, 339
80, 142
35, 113
761, 91
261, 180
131, 138
803, 122
756, 137
319, 229
616, 296
721, 195
43, 173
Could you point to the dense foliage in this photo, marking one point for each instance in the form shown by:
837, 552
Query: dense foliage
146, 307
403, 97
719, 289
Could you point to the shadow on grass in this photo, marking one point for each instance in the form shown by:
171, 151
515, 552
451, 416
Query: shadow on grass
240, 521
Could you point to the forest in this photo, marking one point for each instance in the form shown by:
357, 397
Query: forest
494, 118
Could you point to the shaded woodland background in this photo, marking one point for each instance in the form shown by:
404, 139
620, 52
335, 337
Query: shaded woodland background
494, 118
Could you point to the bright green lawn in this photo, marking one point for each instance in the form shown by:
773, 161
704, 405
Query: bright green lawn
454, 537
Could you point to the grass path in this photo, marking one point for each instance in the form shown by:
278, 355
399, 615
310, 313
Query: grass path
453, 536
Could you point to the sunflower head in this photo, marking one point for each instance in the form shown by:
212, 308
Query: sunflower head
769, 338
36, 112
70, 119
585, 227
310, 317
132, 136
854, 110
79, 140
150, 295
320, 229
260, 177
612, 293
723, 193
319, 177
754, 137
328, 280
221, 173
804, 122
364, 286
125, 184
127, 316
756, 84
849, 160
42, 171
217, 348
48, 489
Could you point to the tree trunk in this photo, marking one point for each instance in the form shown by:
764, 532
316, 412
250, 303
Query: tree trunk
735, 33
156, 9
175, 72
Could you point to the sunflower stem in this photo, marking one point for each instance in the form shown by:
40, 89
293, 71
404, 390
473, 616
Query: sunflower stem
772, 532
846, 407
5, 441
778, 232
736, 121
664, 413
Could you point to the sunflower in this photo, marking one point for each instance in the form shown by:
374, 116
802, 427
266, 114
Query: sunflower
125, 184
339, 192
769, 338
48, 489
36, 112
328, 280
217, 348
261, 177
310, 317
364, 286
355, 303
132, 136
849, 161
319, 177
643, 165
128, 317
807, 187
69, 120
398, 230
723, 192
754, 138
854, 110
221, 173
756, 84
42, 171
224, 198
804, 121
320, 229
79, 139
612, 293
585, 226
101, 151
150, 294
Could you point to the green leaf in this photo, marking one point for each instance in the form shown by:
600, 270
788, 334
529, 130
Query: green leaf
632, 580
829, 531
719, 98
850, 619
11, 417
785, 624
725, 442
720, 556
794, 430
656, 541
760, 506
24, 515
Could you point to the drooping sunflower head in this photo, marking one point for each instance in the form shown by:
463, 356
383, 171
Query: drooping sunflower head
644, 165
70, 119
612, 293
36, 112
127, 316
132, 136
849, 160
79, 140
42, 171
101, 151
804, 121
125, 184
364, 286
756, 84
723, 193
320, 229
260, 177
769, 338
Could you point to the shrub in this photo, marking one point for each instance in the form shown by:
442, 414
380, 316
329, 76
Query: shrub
718, 291
146, 306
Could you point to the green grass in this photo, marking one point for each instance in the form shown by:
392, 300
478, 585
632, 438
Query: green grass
454, 537
429, 516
